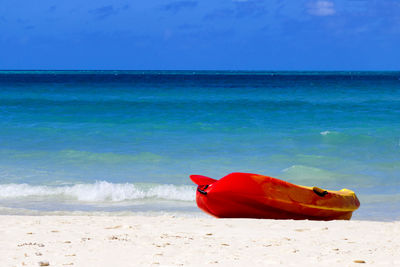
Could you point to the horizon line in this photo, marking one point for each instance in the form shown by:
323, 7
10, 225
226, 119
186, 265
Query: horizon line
196, 70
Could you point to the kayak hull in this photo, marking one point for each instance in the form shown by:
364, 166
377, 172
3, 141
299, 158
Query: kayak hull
246, 195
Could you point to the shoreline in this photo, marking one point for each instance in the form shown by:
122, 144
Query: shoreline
168, 240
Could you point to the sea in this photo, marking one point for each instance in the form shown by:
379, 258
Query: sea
125, 142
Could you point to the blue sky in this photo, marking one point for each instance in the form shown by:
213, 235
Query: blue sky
206, 34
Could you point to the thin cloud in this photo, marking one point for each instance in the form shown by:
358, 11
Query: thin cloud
250, 8
179, 5
240, 9
322, 8
104, 12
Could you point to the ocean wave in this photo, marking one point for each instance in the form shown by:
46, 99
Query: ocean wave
100, 191
325, 132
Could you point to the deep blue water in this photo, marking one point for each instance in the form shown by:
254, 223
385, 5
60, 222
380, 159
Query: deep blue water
127, 141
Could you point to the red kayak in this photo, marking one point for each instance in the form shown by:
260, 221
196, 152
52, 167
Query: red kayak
246, 195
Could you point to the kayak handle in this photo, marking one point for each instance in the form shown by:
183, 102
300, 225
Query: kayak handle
320, 192
201, 191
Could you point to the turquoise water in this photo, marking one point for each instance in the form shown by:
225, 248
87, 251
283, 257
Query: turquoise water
127, 141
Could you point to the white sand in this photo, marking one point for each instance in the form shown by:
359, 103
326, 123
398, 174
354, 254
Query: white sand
178, 241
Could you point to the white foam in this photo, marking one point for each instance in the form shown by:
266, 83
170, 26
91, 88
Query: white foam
325, 133
100, 191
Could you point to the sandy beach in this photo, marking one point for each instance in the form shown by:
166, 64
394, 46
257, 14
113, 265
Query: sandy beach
167, 240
